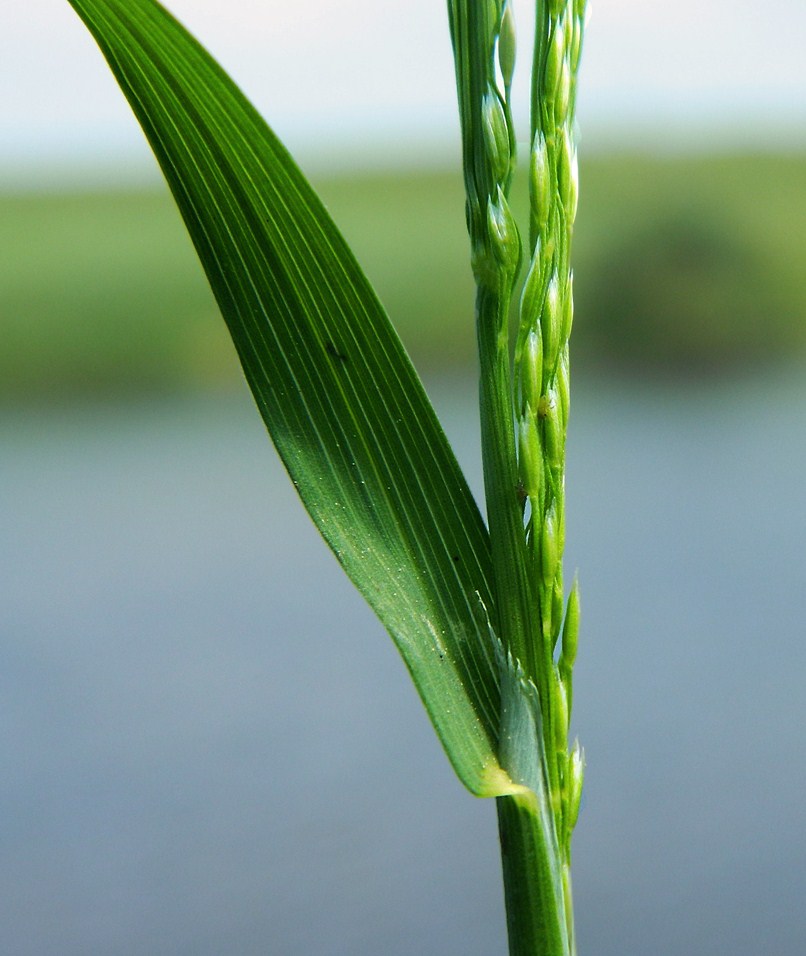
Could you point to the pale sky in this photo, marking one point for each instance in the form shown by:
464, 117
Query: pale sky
373, 79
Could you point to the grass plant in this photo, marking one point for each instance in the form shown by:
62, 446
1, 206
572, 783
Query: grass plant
478, 611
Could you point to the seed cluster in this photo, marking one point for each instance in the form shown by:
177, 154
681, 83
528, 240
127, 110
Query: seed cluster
542, 382
525, 404
497, 247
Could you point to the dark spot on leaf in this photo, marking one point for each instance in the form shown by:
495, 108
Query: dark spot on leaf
333, 352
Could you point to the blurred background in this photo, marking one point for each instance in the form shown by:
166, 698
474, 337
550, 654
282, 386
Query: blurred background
208, 743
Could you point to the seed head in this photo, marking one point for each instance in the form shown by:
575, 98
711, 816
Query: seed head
553, 432
557, 602
530, 453
496, 135
571, 628
540, 180
567, 175
575, 46
530, 296
563, 95
568, 308
575, 776
562, 385
503, 233
532, 367
573, 192
506, 45
549, 548
554, 61
560, 715
551, 324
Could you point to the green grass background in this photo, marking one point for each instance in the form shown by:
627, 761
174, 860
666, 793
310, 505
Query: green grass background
684, 267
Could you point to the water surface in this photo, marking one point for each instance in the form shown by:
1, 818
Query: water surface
209, 745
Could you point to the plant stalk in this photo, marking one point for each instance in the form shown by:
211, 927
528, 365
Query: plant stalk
537, 921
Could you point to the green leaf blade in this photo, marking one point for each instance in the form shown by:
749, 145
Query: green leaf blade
345, 409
